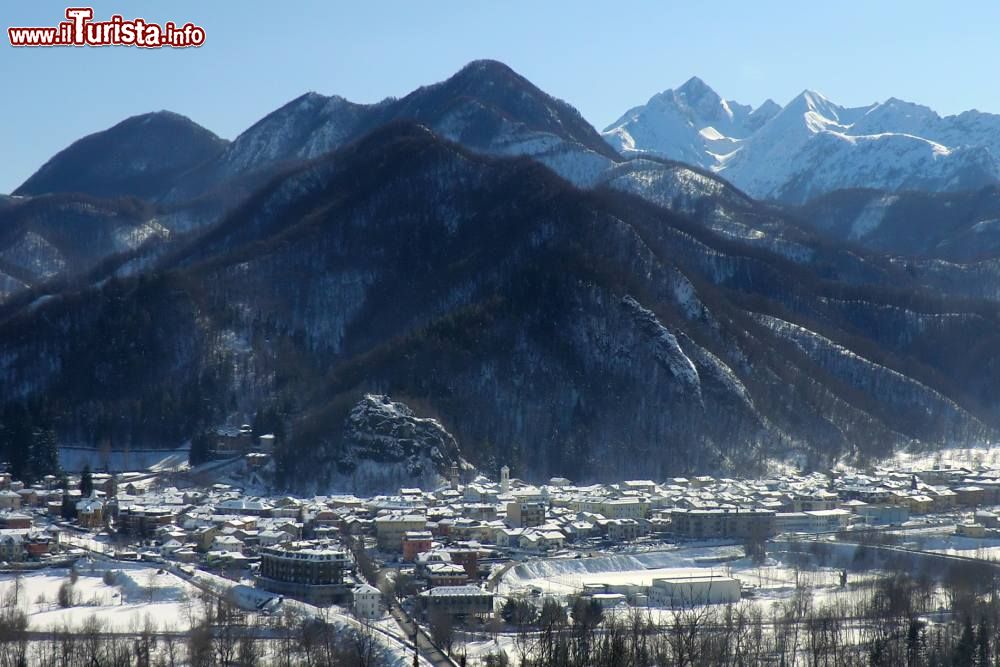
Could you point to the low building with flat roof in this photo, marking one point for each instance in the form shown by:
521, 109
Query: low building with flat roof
690, 591
458, 601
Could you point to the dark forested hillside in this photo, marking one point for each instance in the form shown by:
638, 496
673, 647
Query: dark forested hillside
188, 177
958, 226
60, 237
485, 106
589, 332
137, 157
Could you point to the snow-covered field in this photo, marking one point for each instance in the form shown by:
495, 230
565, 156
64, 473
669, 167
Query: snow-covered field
970, 547
775, 584
141, 594
568, 575
145, 597
772, 580
956, 457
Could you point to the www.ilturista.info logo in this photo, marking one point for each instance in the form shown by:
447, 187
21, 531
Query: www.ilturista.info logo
81, 30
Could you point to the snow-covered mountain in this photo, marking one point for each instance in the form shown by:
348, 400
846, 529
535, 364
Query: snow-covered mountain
517, 318
337, 253
485, 106
812, 146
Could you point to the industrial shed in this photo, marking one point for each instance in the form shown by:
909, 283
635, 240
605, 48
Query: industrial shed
688, 591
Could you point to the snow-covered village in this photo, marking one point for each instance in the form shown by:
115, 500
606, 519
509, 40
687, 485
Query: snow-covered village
499, 334
176, 561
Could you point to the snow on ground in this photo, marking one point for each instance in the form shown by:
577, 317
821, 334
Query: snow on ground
98, 543
987, 548
478, 647
871, 216
387, 632
567, 575
954, 457
140, 593
147, 596
772, 581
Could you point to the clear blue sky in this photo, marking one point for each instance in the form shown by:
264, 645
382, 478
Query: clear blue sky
602, 57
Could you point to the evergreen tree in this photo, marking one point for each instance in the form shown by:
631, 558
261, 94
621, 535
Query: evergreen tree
201, 448
519, 612
44, 454
16, 439
68, 506
965, 649
269, 420
86, 482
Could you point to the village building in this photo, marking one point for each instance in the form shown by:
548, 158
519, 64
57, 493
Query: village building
689, 591
457, 601
313, 572
390, 529
367, 602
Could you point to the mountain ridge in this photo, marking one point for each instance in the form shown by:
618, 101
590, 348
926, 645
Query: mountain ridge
524, 314
651, 318
812, 146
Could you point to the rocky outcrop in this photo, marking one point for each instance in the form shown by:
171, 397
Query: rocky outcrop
385, 445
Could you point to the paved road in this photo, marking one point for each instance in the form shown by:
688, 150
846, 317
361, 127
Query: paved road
425, 647
428, 650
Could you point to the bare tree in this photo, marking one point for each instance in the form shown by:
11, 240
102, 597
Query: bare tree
200, 648
66, 595
442, 629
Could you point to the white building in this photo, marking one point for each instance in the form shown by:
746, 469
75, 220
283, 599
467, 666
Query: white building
680, 592
227, 543
269, 538
367, 602
815, 521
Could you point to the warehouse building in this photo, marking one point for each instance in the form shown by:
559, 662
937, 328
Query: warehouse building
689, 591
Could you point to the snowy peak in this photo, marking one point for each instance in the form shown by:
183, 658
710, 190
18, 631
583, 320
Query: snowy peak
765, 112
898, 116
306, 127
810, 102
692, 124
488, 106
812, 145
810, 112
696, 88
706, 110
703, 101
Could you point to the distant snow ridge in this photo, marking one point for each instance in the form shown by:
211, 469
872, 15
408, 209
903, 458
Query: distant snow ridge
34, 253
887, 385
871, 217
666, 348
812, 145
